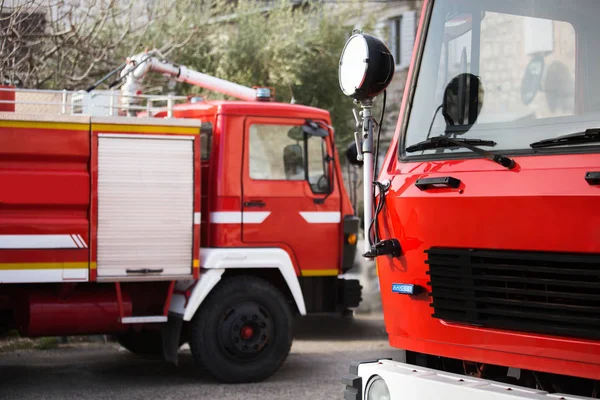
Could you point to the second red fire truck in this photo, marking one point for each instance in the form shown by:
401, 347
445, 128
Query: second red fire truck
486, 226
208, 222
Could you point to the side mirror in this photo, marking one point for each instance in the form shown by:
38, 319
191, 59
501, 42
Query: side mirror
462, 103
351, 154
313, 129
309, 128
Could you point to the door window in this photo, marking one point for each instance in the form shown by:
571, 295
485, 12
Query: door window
284, 152
317, 165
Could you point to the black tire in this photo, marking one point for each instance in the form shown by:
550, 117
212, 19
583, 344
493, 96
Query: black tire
144, 343
243, 330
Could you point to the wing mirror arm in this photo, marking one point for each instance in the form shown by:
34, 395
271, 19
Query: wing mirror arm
329, 160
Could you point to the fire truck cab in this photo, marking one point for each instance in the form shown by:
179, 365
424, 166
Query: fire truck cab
487, 222
208, 222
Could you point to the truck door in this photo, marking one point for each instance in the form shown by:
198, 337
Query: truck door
289, 197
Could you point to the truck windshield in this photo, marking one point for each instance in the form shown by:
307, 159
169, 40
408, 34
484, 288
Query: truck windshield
536, 69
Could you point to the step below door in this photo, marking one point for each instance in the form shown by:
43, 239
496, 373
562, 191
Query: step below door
145, 206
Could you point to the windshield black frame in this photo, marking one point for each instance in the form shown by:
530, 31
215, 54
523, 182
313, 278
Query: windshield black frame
418, 71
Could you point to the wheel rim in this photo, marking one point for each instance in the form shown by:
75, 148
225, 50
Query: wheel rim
245, 331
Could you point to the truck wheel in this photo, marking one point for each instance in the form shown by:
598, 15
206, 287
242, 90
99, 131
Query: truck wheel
144, 343
243, 331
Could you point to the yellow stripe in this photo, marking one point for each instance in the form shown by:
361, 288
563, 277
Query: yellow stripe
45, 125
181, 130
196, 263
164, 129
320, 272
93, 265
58, 265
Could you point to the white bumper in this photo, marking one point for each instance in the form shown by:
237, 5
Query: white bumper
408, 382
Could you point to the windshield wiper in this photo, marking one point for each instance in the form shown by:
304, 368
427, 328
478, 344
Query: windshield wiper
441, 142
589, 136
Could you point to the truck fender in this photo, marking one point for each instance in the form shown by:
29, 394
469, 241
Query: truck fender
189, 295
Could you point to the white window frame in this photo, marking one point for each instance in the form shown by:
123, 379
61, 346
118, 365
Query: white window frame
399, 33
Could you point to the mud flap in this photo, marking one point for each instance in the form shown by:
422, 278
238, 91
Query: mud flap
171, 338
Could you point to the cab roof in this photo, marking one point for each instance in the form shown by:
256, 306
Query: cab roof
249, 108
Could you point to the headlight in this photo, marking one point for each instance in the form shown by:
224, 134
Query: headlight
377, 389
366, 67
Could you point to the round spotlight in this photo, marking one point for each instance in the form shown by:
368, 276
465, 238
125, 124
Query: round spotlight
366, 67
377, 389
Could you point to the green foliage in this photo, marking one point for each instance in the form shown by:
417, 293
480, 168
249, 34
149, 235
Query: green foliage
293, 46
294, 49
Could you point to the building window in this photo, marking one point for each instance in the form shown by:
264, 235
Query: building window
395, 41
401, 31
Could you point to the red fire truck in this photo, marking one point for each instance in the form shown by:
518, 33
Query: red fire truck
486, 227
208, 222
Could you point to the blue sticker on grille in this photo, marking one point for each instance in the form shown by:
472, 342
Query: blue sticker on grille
403, 288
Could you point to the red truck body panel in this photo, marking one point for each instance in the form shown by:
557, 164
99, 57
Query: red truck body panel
543, 205
284, 199
48, 163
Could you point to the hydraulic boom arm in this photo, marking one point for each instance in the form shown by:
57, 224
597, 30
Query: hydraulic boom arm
139, 65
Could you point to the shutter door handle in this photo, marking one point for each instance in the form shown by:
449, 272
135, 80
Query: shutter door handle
256, 203
144, 271
593, 178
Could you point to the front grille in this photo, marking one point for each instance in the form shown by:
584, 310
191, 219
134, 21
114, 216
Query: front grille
540, 292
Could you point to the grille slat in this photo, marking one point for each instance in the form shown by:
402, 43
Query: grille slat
523, 279
542, 292
529, 314
451, 267
533, 304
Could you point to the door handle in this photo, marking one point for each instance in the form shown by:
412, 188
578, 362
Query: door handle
144, 271
437, 183
593, 178
256, 203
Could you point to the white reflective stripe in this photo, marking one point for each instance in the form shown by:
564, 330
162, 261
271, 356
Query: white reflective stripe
255, 217
39, 242
321, 217
235, 217
82, 241
144, 319
77, 241
226, 217
191, 136
42, 275
197, 218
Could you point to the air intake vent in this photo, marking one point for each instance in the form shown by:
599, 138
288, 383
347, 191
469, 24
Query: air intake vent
549, 293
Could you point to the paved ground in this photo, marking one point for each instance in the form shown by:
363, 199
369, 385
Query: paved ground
320, 355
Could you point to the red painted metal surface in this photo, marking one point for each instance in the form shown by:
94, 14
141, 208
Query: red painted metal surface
7, 95
168, 299
45, 168
543, 205
90, 312
53, 171
119, 294
316, 246
516, 210
225, 193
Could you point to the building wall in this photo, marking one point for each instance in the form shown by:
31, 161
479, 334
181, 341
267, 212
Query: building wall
378, 19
